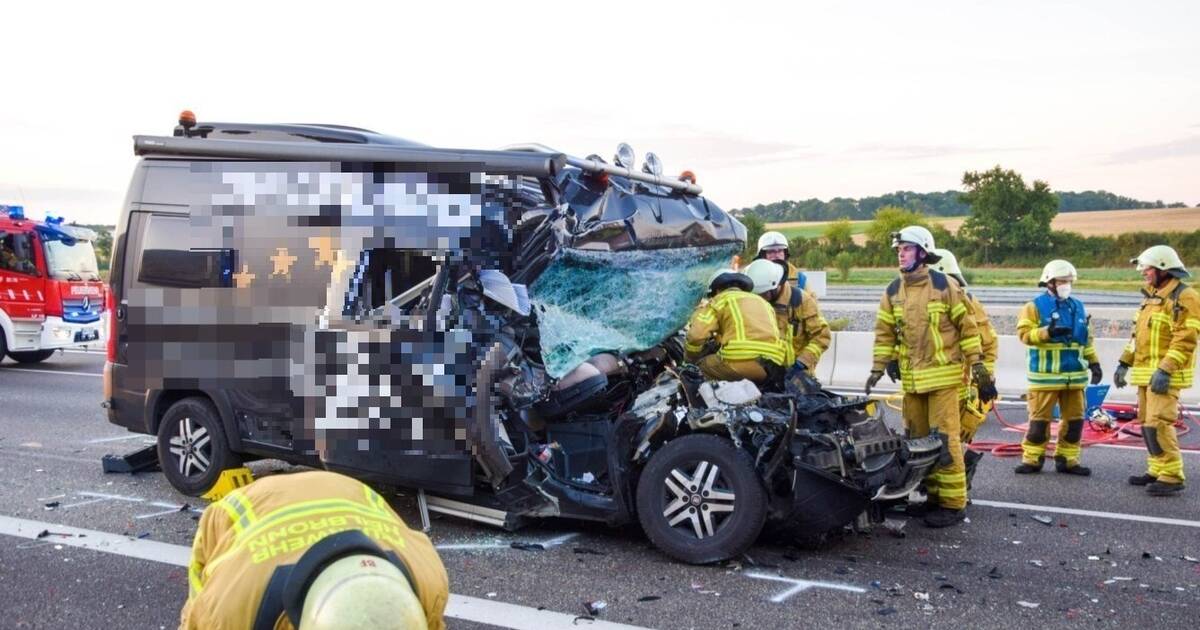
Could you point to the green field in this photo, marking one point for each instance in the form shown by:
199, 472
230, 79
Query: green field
814, 230
1111, 279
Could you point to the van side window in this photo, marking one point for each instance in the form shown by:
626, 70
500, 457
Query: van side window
168, 261
16, 253
397, 276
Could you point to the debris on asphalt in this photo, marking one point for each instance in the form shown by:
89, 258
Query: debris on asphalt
995, 573
1093, 557
1038, 563
1025, 604
895, 527
886, 611
841, 571
588, 551
918, 595
699, 588
595, 608
649, 598
1189, 559
144, 535
527, 546
876, 584
1044, 520
51, 505
491, 595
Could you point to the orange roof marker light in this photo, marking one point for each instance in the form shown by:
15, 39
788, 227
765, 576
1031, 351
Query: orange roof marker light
688, 177
187, 119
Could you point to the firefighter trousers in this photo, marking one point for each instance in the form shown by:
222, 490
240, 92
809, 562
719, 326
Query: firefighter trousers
1070, 426
1158, 413
715, 368
938, 410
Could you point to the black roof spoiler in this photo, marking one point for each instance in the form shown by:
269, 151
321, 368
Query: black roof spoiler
452, 160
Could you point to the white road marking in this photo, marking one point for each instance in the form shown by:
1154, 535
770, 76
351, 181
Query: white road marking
62, 372
553, 542
475, 609
118, 439
1118, 516
799, 586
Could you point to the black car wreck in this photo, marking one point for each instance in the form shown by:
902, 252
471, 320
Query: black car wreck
498, 329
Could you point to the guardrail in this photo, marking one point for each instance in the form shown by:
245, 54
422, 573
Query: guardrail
847, 364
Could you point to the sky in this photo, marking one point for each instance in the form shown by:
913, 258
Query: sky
763, 101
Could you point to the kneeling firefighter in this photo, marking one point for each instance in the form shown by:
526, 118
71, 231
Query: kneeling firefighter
804, 332
972, 408
1055, 326
1161, 360
925, 336
312, 550
733, 336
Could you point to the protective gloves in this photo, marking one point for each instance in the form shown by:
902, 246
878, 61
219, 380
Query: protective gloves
1160, 382
873, 380
1119, 375
983, 380
1097, 373
893, 370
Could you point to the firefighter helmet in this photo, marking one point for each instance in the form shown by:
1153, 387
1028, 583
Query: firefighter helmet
772, 240
947, 263
767, 275
1057, 269
725, 278
362, 591
1162, 257
919, 236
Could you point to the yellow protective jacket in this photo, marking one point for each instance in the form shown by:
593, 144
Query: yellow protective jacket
804, 332
1054, 365
1164, 337
258, 532
742, 323
924, 322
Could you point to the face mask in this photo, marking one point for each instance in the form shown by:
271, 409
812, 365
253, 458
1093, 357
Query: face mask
1063, 291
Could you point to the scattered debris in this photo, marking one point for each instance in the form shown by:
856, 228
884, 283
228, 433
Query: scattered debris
51, 505
877, 584
1093, 557
1038, 563
895, 527
886, 611
1044, 520
921, 596
588, 551
1189, 559
699, 588
595, 608
1025, 604
649, 598
492, 594
144, 535
1016, 542
995, 573
841, 571
527, 546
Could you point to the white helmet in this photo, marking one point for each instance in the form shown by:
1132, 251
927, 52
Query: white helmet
948, 265
1057, 269
725, 278
767, 275
919, 236
771, 240
1161, 257
362, 591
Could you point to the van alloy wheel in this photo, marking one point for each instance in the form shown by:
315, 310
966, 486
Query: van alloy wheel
192, 448
699, 500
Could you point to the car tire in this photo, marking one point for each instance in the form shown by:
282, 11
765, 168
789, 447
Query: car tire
33, 356
699, 500
192, 447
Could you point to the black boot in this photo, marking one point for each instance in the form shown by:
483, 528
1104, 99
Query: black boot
1028, 469
1141, 480
918, 509
1060, 465
1160, 489
943, 517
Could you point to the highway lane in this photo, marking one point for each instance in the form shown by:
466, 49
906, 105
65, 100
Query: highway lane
53, 433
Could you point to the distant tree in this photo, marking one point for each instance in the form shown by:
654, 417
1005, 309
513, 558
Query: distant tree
839, 236
1006, 215
815, 259
844, 261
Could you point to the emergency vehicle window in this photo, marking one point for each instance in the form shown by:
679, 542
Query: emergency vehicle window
16, 253
168, 261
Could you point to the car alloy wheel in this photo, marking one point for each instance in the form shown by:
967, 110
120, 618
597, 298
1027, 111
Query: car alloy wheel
700, 502
192, 448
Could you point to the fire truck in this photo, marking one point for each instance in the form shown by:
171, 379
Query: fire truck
51, 294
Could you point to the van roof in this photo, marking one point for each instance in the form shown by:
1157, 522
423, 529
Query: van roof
293, 133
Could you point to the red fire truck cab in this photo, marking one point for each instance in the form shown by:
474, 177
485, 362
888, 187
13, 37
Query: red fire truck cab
51, 295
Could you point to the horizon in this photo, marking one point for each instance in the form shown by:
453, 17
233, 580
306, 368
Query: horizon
765, 103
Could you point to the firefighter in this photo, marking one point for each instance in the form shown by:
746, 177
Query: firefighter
1061, 355
924, 335
311, 550
1161, 360
803, 330
733, 336
972, 411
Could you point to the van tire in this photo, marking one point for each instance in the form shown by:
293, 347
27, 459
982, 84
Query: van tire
192, 448
32, 356
737, 514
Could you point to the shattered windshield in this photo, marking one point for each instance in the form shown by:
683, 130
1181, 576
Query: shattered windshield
592, 301
71, 262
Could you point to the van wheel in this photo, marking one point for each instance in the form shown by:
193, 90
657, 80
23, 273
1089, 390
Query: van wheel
699, 499
34, 356
192, 448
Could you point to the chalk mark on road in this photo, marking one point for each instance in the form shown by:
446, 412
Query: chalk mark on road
799, 586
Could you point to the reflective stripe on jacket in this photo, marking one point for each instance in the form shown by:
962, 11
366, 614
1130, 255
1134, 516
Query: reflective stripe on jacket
1164, 336
1060, 363
742, 323
243, 538
923, 323
804, 331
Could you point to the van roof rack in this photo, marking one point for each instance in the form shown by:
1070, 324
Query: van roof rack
599, 166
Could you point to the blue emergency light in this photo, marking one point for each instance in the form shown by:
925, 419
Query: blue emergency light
16, 213
53, 220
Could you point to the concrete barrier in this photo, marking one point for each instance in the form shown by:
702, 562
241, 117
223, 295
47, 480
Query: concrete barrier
847, 364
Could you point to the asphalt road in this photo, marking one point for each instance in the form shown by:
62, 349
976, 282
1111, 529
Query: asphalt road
1102, 561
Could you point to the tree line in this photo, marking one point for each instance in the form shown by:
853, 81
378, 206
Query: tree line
934, 204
